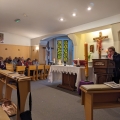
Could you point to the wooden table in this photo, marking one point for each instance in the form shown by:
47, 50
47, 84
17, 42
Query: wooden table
24, 88
68, 81
98, 97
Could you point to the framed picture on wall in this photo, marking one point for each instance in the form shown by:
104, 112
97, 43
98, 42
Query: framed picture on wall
1, 37
92, 48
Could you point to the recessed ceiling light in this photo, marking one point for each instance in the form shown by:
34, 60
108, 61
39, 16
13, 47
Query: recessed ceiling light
74, 14
89, 8
61, 19
17, 20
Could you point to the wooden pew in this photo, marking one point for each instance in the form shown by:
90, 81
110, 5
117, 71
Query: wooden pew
24, 89
32, 68
98, 97
46, 71
3, 115
9, 67
41, 74
20, 69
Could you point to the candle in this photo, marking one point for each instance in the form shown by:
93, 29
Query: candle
54, 60
86, 59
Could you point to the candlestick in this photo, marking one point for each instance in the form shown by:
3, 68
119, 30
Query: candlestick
54, 60
86, 59
78, 61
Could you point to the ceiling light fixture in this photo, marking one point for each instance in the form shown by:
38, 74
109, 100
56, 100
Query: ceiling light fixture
17, 20
74, 14
89, 8
61, 19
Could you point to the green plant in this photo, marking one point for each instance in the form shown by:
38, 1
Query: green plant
89, 55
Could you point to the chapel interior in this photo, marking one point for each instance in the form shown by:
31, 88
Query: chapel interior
57, 52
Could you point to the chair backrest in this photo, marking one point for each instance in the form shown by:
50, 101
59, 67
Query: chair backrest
46, 71
40, 67
9, 67
47, 67
32, 67
20, 68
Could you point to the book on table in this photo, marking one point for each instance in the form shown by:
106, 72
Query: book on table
112, 84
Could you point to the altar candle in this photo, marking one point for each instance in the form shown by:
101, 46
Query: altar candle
86, 59
53, 60
78, 61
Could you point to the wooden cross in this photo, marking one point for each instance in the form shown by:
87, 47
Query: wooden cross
99, 43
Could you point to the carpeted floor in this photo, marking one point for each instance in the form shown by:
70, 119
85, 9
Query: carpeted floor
52, 103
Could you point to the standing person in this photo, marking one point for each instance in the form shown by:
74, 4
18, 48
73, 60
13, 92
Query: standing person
113, 55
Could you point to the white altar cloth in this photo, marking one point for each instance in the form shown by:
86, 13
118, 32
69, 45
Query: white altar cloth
56, 71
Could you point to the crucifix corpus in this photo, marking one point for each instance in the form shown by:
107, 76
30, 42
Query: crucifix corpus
99, 43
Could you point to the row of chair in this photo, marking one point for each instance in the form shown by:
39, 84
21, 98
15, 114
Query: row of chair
38, 72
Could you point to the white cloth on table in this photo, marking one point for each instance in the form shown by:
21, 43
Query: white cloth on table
56, 71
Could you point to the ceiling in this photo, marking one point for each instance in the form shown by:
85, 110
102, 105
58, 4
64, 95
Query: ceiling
43, 15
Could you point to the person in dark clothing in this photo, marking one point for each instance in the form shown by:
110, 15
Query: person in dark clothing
2, 64
112, 54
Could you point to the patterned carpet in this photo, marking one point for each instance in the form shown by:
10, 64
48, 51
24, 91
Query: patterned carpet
53, 103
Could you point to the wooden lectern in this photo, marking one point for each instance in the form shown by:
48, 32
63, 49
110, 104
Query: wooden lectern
103, 68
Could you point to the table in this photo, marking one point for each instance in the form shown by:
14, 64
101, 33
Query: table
83, 83
98, 96
56, 72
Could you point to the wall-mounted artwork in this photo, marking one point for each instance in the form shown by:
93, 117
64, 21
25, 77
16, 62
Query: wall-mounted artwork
1, 37
65, 52
59, 49
92, 48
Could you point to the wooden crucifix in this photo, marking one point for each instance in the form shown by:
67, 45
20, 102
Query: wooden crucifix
99, 43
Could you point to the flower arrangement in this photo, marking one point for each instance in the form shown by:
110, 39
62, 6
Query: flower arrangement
89, 56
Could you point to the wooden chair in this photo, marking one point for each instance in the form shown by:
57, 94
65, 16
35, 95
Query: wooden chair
46, 71
32, 68
40, 68
9, 67
20, 69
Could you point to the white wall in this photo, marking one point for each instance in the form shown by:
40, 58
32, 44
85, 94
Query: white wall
105, 44
35, 41
115, 31
15, 39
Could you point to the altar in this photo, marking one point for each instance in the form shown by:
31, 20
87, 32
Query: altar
57, 72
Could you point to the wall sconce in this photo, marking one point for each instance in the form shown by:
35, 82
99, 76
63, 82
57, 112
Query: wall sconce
37, 48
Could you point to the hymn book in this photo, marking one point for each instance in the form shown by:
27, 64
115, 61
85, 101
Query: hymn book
112, 84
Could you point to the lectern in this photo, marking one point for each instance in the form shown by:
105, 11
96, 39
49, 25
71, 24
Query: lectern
103, 68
